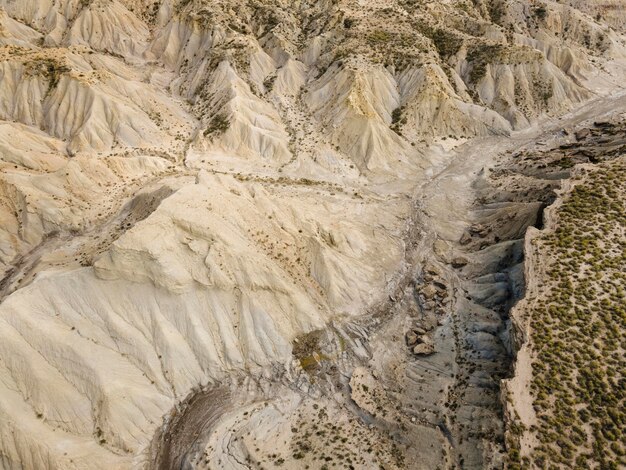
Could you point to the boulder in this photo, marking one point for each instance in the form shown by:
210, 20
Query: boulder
423, 349
480, 230
411, 338
425, 339
429, 292
465, 238
459, 262
432, 269
440, 248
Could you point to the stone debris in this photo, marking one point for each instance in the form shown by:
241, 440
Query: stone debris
419, 341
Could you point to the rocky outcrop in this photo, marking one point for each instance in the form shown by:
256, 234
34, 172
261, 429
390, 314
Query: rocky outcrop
597, 142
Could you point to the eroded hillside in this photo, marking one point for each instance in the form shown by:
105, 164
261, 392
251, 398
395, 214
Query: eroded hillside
228, 220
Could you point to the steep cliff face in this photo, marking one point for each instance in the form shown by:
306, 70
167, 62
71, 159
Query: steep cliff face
567, 329
190, 188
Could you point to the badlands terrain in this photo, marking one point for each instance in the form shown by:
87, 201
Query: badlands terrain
351, 234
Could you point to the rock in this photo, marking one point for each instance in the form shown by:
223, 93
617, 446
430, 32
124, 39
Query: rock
411, 338
432, 269
465, 238
419, 331
440, 248
459, 262
603, 124
429, 292
425, 339
480, 230
423, 349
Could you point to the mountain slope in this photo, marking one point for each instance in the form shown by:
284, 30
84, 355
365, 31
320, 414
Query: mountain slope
228, 193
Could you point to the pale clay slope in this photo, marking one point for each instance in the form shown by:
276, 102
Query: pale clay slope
228, 270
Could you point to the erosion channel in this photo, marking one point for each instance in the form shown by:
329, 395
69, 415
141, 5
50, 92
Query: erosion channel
416, 379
